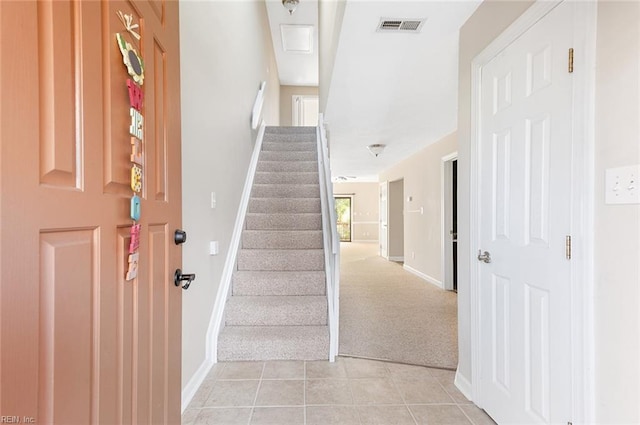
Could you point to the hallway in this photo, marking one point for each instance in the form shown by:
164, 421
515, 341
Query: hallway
387, 313
347, 392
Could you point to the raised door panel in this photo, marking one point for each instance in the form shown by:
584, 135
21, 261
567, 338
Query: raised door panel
68, 350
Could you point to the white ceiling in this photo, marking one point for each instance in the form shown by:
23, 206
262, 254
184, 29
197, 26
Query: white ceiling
398, 89
295, 69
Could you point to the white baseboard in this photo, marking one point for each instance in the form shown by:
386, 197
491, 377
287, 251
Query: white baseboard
396, 258
365, 240
463, 385
194, 383
424, 276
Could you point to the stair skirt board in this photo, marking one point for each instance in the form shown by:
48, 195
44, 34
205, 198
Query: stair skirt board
277, 308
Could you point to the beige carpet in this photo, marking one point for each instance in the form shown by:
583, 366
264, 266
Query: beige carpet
388, 313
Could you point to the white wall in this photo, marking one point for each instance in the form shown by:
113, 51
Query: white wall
617, 228
226, 51
617, 234
421, 173
330, 15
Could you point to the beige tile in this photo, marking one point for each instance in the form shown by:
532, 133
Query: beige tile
325, 369
332, 415
241, 370
477, 415
281, 393
385, 415
218, 416
363, 368
455, 393
443, 375
189, 416
397, 370
439, 414
233, 394
202, 394
328, 391
283, 370
278, 416
374, 391
420, 391
214, 372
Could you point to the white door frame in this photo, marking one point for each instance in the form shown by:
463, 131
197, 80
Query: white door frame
446, 206
582, 330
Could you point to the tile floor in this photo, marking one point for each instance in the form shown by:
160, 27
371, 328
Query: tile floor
349, 391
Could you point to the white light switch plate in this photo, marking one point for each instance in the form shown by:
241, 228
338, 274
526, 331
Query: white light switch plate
214, 200
622, 185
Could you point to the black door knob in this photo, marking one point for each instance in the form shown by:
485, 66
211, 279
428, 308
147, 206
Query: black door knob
180, 236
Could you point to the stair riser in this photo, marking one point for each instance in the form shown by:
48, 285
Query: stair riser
289, 138
285, 343
284, 222
289, 147
288, 156
290, 130
286, 178
278, 260
282, 239
278, 283
295, 311
287, 166
285, 191
271, 205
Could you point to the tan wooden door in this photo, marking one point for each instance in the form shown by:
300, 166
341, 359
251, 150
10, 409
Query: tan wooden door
79, 343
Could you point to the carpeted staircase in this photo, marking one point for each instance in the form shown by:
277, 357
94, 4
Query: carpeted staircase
278, 304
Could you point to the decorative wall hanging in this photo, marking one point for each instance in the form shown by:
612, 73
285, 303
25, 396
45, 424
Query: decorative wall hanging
135, 68
132, 271
133, 62
135, 95
136, 151
134, 244
136, 178
135, 207
137, 123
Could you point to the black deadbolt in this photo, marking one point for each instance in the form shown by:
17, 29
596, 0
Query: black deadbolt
180, 236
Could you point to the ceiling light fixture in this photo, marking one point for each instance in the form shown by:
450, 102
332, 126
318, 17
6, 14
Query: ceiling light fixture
376, 149
290, 5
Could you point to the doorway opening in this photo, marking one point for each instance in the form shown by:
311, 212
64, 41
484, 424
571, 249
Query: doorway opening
395, 239
305, 110
450, 221
343, 217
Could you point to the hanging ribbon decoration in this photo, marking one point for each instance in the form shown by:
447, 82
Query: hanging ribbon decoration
127, 21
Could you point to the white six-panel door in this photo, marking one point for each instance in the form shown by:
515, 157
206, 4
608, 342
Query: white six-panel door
525, 128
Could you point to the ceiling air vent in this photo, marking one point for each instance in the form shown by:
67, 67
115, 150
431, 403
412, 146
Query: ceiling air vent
400, 25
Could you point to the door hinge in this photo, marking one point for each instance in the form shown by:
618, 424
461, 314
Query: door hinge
571, 60
567, 247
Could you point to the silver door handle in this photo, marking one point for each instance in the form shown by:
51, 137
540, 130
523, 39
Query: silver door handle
486, 256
